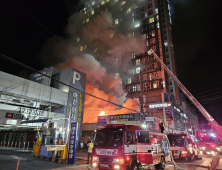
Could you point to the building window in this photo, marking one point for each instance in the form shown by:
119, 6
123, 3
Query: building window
85, 47
93, 12
87, 20
81, 48
153, 48
150, 5
144, 35
150, 12
143, 59
138, 62
151, 26
152, 41
78, 39
155, 84
129, 81
138, 87
152, 33
133, 55
157, 25
138, 70
151, 20
117, 75
155, 75
142, 9
145, 14
134, 88
116, 21
142, 15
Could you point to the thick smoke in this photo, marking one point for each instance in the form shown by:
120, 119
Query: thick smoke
100, 58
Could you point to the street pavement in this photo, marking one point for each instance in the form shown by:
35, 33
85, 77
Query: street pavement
8, 161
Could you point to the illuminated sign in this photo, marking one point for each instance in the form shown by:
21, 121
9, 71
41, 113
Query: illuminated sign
35, 112
159, 105
14, 116
76, 76
176, 108
72, 143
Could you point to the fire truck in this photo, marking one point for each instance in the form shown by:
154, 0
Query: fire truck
182, 146
129, 147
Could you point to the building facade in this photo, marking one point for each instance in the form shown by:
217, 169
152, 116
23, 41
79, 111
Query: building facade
146, 78
42, 98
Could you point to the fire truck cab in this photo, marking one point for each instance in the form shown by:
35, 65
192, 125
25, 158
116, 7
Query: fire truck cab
128, 147
182, 146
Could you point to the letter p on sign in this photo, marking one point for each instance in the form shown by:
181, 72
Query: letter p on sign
76, 76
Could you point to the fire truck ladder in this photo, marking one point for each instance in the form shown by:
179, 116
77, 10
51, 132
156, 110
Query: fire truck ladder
210, 119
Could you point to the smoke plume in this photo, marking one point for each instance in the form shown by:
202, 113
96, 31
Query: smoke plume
102, 54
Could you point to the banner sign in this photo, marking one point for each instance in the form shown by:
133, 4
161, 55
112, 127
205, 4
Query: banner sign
168, 111
102, 122
72, 143
127, 117
34, 112
43, 152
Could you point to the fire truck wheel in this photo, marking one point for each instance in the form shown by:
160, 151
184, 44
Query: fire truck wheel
134, 166
161, 165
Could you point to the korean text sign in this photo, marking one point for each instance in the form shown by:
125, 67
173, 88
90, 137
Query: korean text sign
72, 143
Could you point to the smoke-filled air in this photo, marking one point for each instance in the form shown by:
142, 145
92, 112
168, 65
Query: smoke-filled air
104, 55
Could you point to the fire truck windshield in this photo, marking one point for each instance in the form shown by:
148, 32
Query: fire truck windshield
109, 137
176, 140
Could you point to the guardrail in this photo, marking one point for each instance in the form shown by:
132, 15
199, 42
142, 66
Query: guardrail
27, 144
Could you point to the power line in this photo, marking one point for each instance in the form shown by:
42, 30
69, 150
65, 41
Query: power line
32, 17
209, 96
57, 37
206, 87
34, 70
208, 91
207, 101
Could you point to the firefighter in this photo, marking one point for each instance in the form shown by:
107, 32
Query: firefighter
161, 125
90, 147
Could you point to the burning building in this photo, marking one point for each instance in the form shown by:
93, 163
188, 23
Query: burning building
108, 40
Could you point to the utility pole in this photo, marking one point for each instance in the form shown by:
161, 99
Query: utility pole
141, 95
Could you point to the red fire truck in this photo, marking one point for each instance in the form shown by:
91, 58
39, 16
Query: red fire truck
128, 147
182, 146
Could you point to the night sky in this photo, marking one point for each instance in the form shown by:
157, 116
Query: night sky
196, 32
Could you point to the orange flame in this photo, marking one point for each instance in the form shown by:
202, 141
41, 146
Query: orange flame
102, 113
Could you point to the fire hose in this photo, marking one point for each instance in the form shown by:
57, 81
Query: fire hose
171, 154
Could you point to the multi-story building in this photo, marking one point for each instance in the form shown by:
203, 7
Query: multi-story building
151, 18
24, 102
